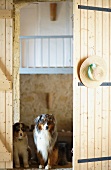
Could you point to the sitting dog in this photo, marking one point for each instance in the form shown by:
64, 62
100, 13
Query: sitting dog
45, 137
21, 149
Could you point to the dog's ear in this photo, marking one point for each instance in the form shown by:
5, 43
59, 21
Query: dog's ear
36, 120
23, 124
51, 116
25, 127
15, 126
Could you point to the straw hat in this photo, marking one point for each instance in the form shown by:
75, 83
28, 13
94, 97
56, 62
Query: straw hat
93, 71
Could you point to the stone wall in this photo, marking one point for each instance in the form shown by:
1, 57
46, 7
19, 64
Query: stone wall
34, 90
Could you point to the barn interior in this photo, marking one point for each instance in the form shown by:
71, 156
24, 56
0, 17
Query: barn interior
48, 89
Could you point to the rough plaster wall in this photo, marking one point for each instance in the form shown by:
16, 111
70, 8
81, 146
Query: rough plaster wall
33, 98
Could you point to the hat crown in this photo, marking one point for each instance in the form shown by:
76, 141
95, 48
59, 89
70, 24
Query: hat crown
95, 72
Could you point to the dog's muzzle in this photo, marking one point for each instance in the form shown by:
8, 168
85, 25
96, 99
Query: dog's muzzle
47, 127
21, 134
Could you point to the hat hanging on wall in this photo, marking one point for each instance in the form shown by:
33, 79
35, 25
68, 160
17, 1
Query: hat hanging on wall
93, 71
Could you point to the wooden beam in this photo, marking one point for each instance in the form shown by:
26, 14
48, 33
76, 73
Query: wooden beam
5, 157
49, 100
2, 147
4, 13
53, 11
31, 1
5, 84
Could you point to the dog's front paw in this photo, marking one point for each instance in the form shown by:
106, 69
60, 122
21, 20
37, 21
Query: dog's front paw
26, 165
17, 166
48, 167
41, 166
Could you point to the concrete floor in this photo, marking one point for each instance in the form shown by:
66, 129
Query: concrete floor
65, 167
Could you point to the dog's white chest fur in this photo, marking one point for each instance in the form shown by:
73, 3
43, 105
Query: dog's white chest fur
43, 141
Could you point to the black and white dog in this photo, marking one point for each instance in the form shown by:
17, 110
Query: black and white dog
45, 137
21, 148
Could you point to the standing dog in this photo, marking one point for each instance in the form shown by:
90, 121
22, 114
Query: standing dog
45, 137
20, 143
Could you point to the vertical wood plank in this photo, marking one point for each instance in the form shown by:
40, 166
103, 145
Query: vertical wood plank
2, 66
91, 123
98, 99
76, 89
9, 43
9, 143
84, 127
6, 66
91, 92
84, 100
2, 122
109, 137
105, 101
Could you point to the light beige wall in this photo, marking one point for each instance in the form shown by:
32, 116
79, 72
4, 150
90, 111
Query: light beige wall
33, 98
40, 23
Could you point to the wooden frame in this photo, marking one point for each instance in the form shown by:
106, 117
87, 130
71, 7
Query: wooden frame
6, 155
6, 78
4, 13
5, 84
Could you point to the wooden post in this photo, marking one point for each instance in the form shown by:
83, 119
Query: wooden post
53, 7
49, 100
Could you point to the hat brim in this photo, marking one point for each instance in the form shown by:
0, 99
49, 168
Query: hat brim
84, 71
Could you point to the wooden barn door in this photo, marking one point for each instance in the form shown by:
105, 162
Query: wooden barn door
92, 107
6, 40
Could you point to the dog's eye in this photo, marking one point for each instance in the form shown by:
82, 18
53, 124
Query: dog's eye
23, 129
43, 120
17, 130
50, 122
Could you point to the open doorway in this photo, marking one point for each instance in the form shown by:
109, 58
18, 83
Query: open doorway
36, 86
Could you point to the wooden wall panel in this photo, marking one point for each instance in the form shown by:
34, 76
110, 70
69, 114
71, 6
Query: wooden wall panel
76, 103
6, 39
91, 92
98, 114
83, 100
109, 143
9, 66
92, 107
105, 90
2, 94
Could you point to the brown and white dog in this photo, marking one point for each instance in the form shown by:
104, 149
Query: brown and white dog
45, 137
20, 143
